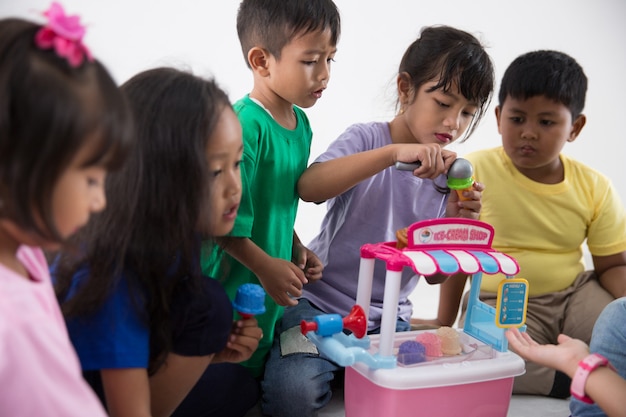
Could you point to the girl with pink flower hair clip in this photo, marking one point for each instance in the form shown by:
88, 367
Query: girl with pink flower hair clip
63, 125
64, 34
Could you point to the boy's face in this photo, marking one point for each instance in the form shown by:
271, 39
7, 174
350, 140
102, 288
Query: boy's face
303, 71
534, 132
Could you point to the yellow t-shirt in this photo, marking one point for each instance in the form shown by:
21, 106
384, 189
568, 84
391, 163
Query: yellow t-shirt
544, 226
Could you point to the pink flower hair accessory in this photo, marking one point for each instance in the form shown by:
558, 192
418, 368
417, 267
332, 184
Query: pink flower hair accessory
65, 34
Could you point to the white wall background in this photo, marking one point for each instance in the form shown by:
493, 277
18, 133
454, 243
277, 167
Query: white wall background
133, 35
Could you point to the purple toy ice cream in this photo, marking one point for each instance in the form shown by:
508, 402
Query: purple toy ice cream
411, 352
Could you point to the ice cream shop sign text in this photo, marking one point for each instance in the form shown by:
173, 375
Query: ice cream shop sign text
452, 234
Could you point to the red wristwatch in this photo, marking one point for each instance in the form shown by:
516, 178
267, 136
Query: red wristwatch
585, 367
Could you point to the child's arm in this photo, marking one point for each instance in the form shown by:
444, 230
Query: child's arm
243, 341
611, 271
306, 260
172, 382
450, 294
603, 385
129, 392
282, 279
328, 179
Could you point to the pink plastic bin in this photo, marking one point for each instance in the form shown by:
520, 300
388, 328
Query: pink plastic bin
441, 388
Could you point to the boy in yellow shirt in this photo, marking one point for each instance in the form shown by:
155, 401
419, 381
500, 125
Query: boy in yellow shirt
544, 206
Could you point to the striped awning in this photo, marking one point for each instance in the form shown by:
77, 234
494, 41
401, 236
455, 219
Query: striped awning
429, 262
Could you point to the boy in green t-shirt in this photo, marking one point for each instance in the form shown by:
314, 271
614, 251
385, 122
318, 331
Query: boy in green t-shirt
289, 47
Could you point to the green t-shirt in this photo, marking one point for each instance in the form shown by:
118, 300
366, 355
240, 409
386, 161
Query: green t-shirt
273, 160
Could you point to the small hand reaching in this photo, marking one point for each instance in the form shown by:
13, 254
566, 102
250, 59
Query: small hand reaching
564, 356
308, 261
242, 342
282, 280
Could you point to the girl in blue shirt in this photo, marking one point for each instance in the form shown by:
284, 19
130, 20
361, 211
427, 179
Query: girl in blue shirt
144, 320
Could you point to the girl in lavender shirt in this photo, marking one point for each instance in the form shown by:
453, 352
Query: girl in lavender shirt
445, 81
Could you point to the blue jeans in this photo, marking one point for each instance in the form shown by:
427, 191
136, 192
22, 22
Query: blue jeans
298, 378
608, 339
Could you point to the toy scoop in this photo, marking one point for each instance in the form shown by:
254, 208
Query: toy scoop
461, 176
250, 300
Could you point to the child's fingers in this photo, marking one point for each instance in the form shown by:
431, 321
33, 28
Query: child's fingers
314, 274
527, 339
478, 186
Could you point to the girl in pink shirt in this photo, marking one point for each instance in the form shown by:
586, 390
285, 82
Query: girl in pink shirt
63, 125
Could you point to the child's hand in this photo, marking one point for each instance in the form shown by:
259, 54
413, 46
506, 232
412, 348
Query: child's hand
308, 261
563, 357
420, 323
469, 209
282, 280
434, 160
243, 341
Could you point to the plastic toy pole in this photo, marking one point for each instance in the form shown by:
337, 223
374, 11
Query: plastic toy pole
390, 311
364, 288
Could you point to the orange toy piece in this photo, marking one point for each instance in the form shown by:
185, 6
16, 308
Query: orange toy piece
401, 237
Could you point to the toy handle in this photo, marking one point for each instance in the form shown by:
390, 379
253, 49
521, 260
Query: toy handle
408, 166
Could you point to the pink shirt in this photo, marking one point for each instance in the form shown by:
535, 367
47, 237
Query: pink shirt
39, 371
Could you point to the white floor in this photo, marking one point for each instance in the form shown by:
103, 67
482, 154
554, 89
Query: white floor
520, 406
425, 300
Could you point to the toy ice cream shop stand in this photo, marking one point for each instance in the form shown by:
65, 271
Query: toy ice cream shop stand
411, 373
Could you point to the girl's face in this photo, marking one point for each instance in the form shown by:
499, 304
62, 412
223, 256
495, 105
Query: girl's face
432, 116
78, 193
224, 152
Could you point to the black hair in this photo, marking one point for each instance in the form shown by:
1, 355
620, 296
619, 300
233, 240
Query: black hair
451, 56
552, 74
272, 24
149, 231
49, 110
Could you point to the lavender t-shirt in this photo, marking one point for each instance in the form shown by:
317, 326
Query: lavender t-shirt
370, 212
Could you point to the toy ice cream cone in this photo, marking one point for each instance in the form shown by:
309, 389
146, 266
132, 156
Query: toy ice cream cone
250, 300
460, 177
